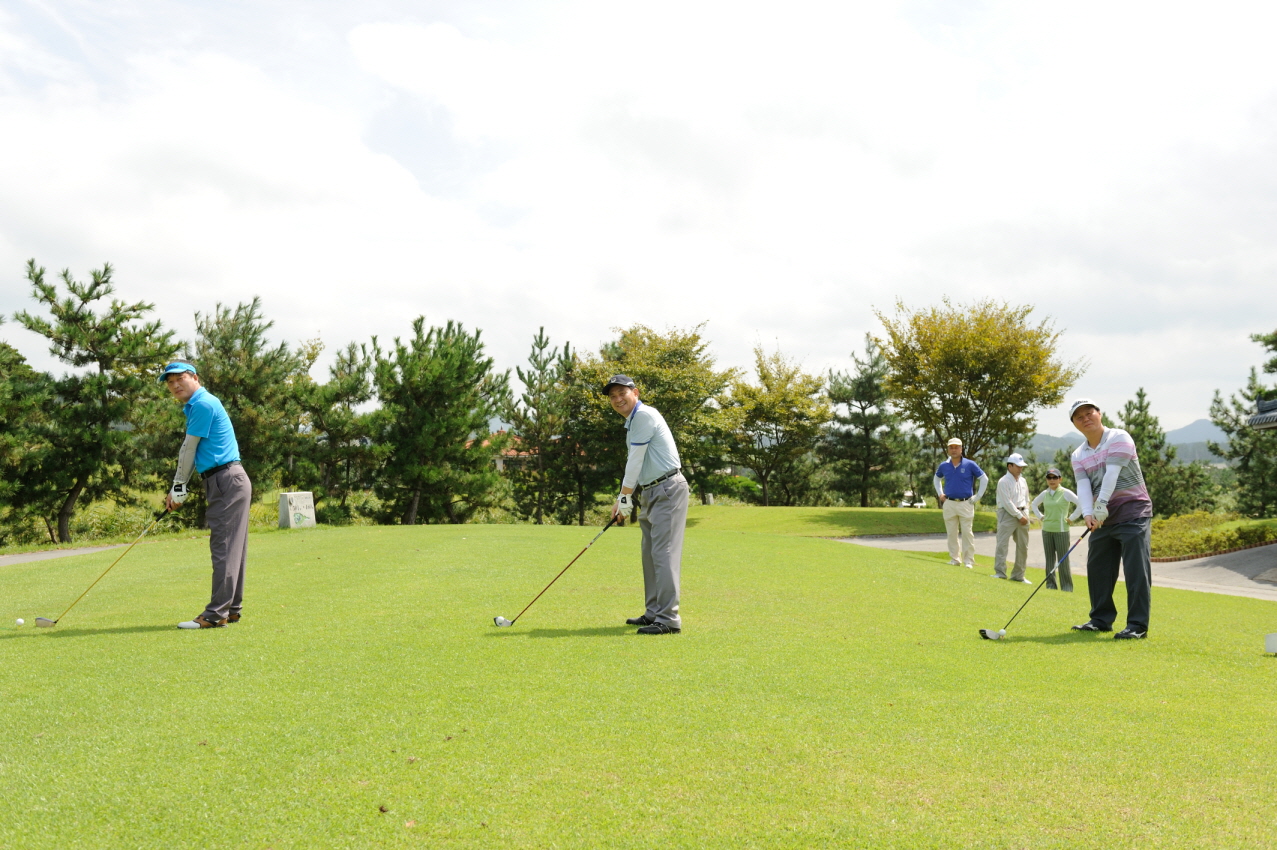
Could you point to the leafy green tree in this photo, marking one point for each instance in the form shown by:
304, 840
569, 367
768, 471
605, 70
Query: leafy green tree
87, 450
340, 446
978, 372
1253, 452
676, 373
864, 442
537, 419
777, 421
260, 384
1174, 488
438, 393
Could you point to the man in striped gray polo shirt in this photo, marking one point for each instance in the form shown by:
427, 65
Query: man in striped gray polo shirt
653, 462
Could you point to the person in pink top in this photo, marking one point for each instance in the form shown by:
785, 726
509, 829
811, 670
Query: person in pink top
1119, 514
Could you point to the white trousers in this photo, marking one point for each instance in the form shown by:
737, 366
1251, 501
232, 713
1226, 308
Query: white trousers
959, 520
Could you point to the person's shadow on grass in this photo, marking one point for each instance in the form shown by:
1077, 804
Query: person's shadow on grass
62, 632
597, 631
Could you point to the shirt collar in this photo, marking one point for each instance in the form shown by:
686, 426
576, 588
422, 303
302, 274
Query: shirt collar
630, 418
194, 396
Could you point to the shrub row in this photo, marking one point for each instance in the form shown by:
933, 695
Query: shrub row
1202, 532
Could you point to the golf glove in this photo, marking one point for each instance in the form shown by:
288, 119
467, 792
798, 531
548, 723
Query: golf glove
179, 493
1101, 511
624, 504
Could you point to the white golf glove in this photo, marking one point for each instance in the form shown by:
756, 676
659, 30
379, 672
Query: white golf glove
624, 504
1100, 511
178, 494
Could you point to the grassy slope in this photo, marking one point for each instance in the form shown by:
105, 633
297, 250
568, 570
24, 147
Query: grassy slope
823, 694
826, 522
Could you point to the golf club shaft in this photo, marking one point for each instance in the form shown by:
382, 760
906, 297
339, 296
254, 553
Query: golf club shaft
1047, 576
611, 522
113, 563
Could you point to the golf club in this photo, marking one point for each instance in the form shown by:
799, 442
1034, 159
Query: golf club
503, 622
990, 634
46, 623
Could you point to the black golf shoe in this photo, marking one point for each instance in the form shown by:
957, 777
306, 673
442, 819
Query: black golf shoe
640, 621
1092, 627
658, 629
1132, 633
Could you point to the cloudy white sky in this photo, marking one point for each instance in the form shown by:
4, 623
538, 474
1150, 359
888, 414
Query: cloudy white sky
775, 170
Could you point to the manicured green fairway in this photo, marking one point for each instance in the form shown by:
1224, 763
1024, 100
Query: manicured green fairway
823, 694
827, 522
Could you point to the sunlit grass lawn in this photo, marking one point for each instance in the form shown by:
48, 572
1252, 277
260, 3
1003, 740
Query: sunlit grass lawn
827, 522
822, 694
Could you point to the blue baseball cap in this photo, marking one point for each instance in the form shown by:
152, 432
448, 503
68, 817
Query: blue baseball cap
176, 368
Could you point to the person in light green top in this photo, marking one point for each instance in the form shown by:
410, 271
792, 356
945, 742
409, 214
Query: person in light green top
1052, 507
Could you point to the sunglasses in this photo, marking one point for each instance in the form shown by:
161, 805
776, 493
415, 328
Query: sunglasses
1053, 478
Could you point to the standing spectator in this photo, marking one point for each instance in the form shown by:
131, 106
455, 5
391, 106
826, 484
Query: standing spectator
1119, 513
1013, 520
1052, 507
653, 462
955, 490
210, 448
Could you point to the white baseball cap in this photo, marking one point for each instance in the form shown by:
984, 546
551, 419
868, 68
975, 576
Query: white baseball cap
1079, 404
954, 442
1017, 459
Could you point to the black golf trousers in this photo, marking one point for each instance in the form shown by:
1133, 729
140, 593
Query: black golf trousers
1124, 546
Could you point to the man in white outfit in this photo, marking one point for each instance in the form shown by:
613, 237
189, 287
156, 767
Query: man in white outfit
653, 462
1013, 520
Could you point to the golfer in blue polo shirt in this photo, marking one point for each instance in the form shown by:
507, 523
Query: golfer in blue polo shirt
211, 449
956, 481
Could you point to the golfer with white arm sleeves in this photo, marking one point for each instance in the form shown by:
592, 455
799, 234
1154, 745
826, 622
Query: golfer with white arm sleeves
1119, 513
653, 464
211, 449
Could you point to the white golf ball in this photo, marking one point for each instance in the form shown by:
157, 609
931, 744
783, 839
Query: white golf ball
1002, 632
21, 621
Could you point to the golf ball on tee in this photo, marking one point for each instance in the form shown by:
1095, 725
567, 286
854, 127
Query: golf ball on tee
21, 621
1002, 632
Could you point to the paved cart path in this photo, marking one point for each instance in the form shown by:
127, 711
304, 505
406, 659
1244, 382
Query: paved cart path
1252, 572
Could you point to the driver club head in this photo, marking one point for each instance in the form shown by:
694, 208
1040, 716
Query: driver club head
502, 621
992, 634
45, 623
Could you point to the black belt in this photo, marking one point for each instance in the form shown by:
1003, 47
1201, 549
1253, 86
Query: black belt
663, 478
206, 473
956, 499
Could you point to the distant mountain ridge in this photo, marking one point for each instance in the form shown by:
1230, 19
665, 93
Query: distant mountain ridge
1189, 443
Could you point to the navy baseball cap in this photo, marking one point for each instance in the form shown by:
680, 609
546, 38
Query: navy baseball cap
619, 381
176, 368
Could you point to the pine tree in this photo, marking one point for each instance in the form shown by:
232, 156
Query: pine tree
86, 448
1253, 452
438, 393
537, 420
865, 440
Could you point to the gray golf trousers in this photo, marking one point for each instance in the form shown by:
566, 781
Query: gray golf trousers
663, 520
1055, 544
1009, 529
229, 494
1123, 546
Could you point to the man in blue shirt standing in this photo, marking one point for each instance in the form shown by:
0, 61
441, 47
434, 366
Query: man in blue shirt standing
653, 462
956, 491
211, 449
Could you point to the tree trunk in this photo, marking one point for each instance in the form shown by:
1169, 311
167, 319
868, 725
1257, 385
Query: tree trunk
410, 518
53, 538
68, 510
763, 482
